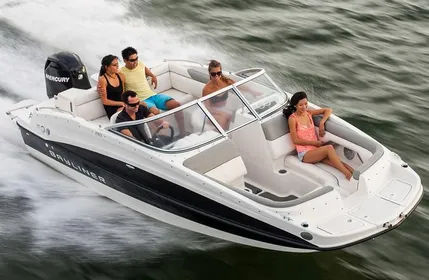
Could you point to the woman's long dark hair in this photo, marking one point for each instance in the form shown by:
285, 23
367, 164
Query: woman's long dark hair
213, 64
106, 61
291, 106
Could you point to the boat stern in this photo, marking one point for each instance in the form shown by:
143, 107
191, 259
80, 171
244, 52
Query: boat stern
22, 110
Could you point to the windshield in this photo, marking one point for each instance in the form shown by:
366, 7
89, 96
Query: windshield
209, 118
261, 92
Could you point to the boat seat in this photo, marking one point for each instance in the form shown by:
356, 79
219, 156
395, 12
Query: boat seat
276, 131
231, 172
113, 117
311, 171
181, 80
224, 165
179, 96
321, 173
176, 82
83, 103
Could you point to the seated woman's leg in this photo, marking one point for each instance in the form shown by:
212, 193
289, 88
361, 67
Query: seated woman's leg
327, 152
222, 118
329, 162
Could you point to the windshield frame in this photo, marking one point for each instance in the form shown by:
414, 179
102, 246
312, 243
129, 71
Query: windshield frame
199, 103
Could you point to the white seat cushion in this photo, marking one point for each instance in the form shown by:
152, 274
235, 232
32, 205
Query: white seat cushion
310, 171
113, 117
281, 146
160, 69
322, 173
176, 67
186, 84
179, 96
163, 84
77, 96
83, 103
230, 173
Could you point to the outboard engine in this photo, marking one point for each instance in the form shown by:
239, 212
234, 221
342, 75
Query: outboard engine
65, 70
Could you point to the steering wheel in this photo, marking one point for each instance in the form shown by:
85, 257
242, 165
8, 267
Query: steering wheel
162, 140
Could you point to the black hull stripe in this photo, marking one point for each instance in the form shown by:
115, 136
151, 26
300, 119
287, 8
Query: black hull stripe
162, 193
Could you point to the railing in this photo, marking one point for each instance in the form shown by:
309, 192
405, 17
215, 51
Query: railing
183, 60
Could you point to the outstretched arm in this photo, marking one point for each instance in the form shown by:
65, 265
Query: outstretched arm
150, 74
247, 89
127, 132
326, 113
159, 122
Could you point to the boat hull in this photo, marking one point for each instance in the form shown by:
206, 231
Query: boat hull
146, 193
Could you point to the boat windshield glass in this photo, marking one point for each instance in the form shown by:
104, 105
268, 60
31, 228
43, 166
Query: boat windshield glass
200, 122
261, 92
209, 118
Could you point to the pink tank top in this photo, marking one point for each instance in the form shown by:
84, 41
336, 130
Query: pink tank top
305, 133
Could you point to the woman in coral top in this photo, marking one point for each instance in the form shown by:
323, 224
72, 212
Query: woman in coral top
310, 149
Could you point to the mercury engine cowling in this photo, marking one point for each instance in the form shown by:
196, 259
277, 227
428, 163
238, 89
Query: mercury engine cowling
65, 70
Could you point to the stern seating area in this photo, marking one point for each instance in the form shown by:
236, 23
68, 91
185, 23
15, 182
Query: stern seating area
82, 103
182, 83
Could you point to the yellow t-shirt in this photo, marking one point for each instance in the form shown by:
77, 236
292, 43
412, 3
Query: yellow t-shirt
135, 80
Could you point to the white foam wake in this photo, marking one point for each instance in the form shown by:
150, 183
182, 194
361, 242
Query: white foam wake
57, 211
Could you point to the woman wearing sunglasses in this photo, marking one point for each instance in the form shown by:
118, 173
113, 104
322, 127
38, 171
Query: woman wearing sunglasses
112, 84
216, 103
217, 81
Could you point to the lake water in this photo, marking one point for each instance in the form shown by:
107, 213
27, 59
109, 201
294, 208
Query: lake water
368, 60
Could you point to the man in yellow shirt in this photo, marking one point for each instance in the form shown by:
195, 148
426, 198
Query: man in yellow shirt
135, 73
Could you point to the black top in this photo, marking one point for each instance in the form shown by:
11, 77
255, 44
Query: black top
114, 94
142, 113
219, 98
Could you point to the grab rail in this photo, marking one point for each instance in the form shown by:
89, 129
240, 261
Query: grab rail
21, 107
183, 60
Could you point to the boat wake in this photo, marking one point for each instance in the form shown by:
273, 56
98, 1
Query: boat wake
40, 208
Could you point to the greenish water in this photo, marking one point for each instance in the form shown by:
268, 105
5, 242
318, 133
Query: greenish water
368, 60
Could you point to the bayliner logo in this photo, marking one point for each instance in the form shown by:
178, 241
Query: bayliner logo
57, 79
81, 169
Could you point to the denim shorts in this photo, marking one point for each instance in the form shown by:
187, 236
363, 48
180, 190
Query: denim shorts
158, 101
301, 155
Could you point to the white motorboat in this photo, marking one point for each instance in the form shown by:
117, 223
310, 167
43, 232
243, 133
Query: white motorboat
240, 181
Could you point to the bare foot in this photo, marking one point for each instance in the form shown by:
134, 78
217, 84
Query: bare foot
348, 167
349, 176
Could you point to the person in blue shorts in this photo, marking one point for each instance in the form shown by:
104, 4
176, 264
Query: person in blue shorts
135, 73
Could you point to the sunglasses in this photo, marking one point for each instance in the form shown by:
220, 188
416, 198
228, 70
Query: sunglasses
214, 74
134, 104
134, 59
